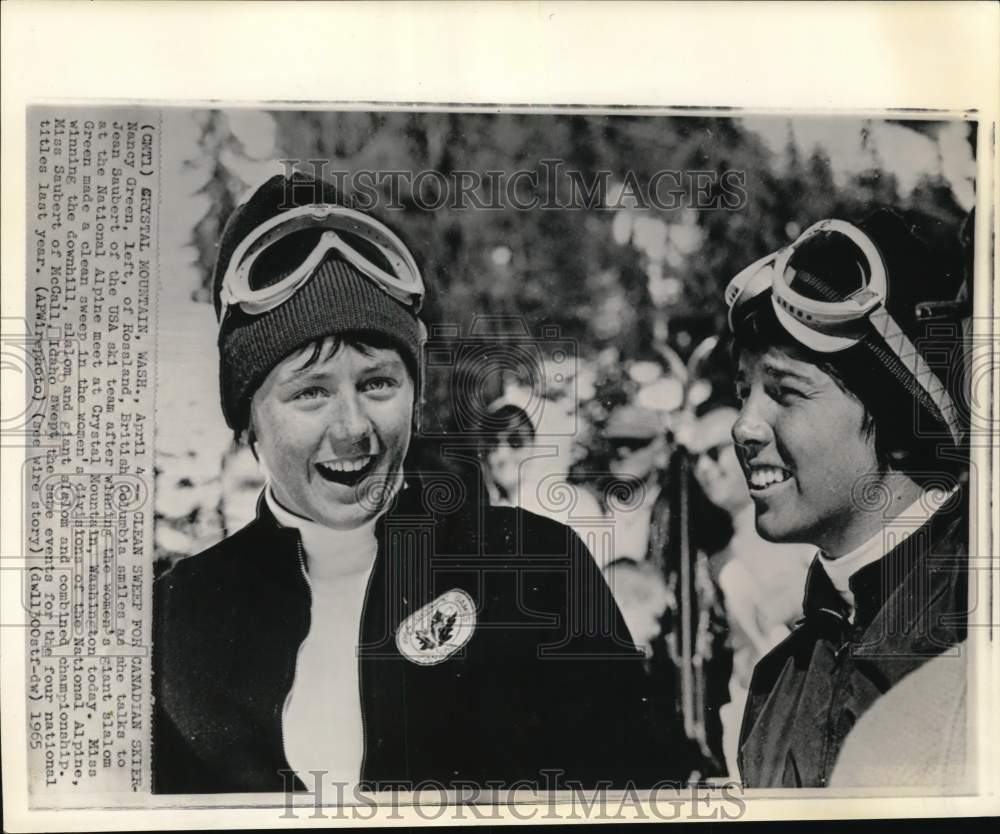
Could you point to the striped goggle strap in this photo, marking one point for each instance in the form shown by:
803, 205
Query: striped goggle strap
915, 365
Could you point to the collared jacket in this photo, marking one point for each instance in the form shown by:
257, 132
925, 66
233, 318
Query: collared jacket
807, 694
548, 686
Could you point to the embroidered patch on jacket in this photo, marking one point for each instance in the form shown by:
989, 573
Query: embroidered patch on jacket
439, 629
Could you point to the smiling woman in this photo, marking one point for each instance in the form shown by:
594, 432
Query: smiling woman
849, 442
350, 635
331, 423
803, 480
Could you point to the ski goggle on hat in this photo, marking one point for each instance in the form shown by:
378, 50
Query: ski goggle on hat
828, 320
305, 235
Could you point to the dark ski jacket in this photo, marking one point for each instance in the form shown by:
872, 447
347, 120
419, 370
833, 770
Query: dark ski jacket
549, 685
807, 694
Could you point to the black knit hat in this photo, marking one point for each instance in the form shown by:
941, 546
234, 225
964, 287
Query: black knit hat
337, 300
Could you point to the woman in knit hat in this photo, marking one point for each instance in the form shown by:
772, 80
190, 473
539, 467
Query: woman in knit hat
371, 627
850, 441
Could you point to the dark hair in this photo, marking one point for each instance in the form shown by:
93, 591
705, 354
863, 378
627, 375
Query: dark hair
364, 342
506, 419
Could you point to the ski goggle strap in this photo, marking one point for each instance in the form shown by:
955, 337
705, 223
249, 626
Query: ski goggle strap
915, 365
402, 280
833, 326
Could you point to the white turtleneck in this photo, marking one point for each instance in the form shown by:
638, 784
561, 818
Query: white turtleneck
896, 530
321, 721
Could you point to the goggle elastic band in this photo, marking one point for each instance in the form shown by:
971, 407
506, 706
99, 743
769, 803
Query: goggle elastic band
915, 365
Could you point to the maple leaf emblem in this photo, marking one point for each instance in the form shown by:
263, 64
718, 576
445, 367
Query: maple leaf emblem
439, 632
436, 631
443, 626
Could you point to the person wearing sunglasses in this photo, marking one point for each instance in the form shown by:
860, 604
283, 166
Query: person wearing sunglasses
518, 471
850, 441
370, 628
510, 436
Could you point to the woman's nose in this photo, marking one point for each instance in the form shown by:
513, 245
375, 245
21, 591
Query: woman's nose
751, 429
348, 422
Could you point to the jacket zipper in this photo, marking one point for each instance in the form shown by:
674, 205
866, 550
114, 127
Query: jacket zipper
840, 679
361, 686
284, 706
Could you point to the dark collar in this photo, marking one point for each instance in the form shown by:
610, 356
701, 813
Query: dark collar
875, 583
823, 605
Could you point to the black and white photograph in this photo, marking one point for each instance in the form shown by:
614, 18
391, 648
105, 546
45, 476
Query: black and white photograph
629, 438
384, 454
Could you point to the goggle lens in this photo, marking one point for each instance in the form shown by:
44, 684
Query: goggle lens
279, 259
828, 267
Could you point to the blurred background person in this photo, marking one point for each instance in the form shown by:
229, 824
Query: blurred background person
505, 452
643, 597
639, 452
521, 469
663, 531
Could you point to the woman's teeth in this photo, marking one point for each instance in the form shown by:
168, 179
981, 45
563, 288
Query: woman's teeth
346, 465
346, 472
764, 476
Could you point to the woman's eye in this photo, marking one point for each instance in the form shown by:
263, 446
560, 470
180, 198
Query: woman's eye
786, 394
378, 384
310, 393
